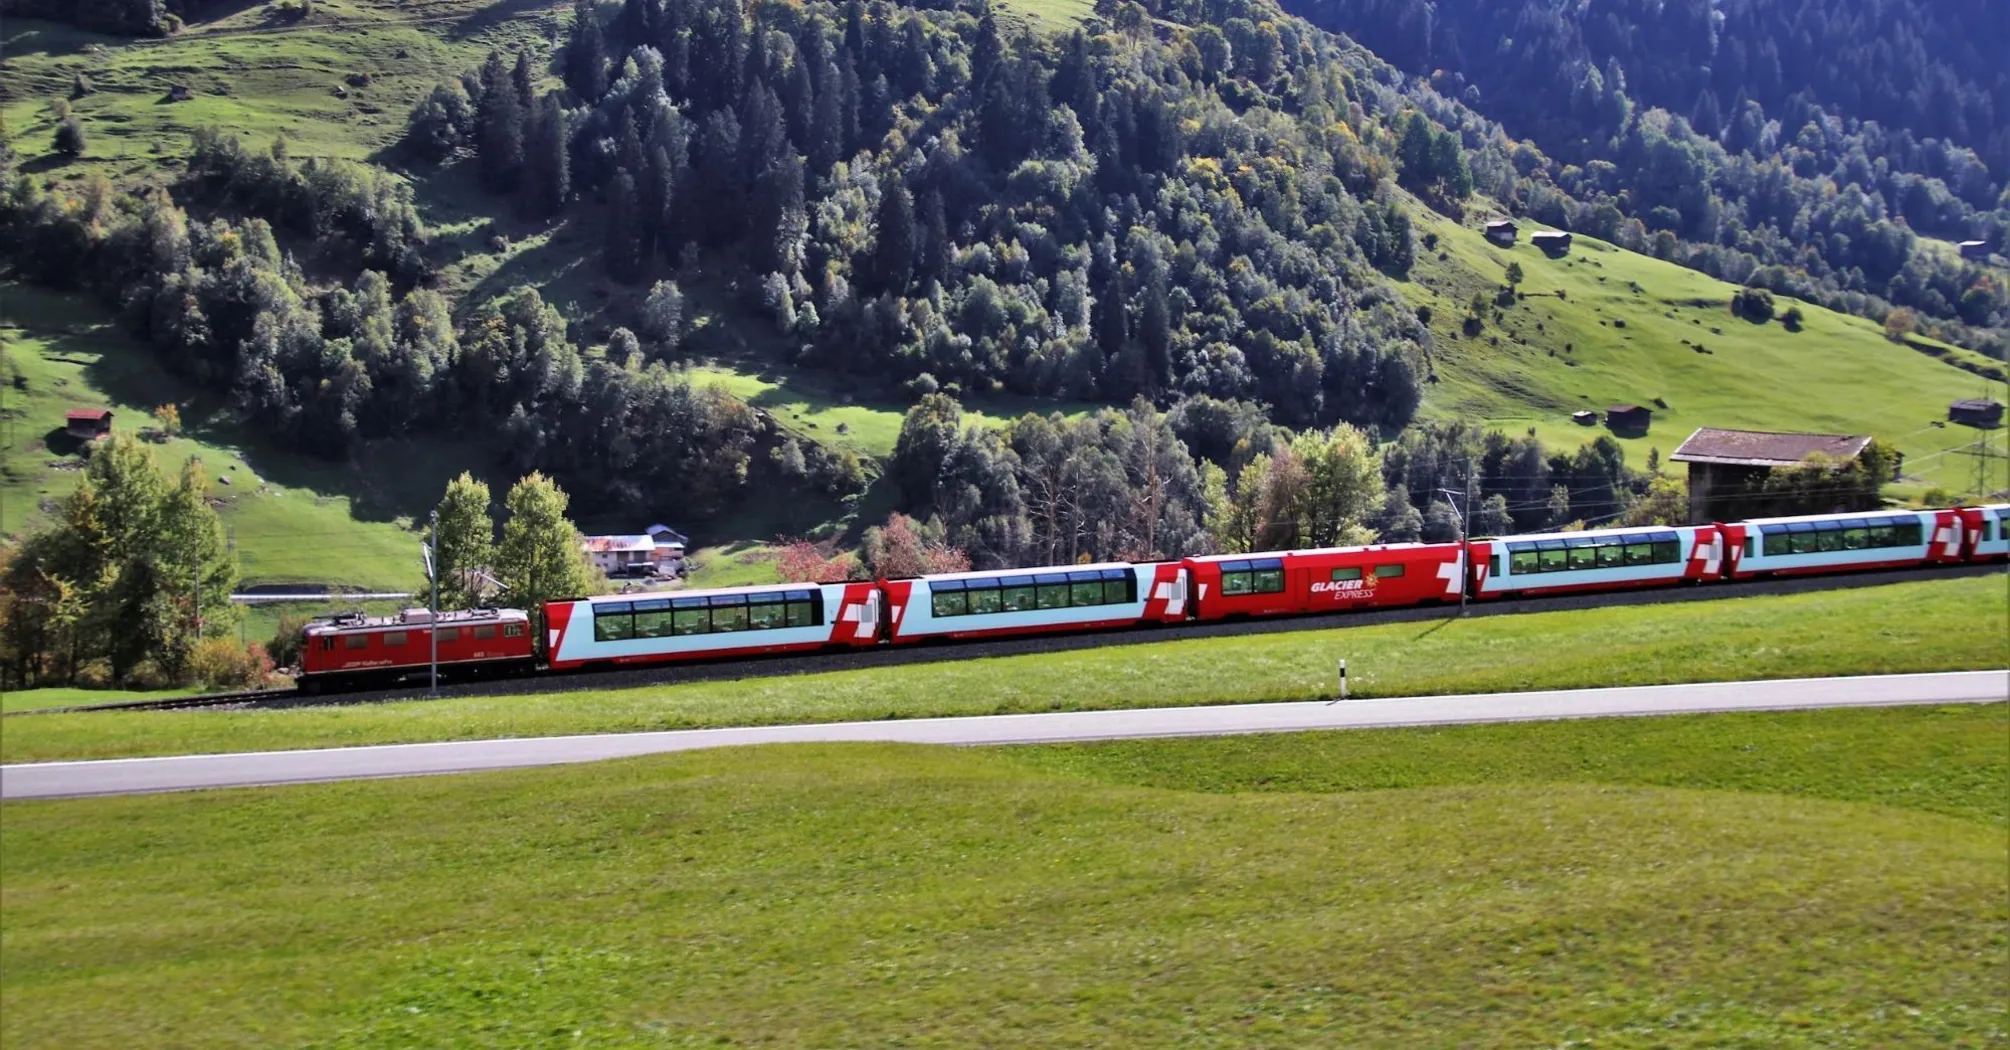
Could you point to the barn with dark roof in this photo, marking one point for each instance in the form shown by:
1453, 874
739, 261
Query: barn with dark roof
1724, 464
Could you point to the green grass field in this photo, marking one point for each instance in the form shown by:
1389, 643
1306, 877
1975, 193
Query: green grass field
1811, 879
1929, 626
1556, 356
255, 69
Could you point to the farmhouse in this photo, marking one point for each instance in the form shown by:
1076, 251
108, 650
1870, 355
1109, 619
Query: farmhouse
1727, 466
1976, 412
1974, 249
87, 424
661, 546
1629, 419
611, 553
1502, 232
1552, 242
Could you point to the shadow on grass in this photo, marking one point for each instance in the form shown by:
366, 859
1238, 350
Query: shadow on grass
494, 15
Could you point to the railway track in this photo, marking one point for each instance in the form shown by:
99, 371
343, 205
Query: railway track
864, 659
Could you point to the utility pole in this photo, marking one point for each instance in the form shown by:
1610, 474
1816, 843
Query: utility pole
433, 620
230, 552
1465, 540
1465, 509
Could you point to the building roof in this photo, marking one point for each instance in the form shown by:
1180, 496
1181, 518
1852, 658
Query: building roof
93, 414
1625, 410
1544, 235
618, 544
1976, 404
1501, 224
1758, 448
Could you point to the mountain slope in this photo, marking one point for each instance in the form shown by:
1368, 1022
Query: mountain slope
1561, 348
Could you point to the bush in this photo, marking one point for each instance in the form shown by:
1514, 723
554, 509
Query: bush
1939, 497
1792, 319
221, 663
70, 137
284, 648
1753, 303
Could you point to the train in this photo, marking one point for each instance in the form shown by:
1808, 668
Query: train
352, 651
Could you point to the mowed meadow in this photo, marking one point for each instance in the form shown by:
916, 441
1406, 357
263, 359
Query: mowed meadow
1807, 879
1932, 625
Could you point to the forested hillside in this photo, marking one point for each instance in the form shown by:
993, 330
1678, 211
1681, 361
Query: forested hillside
1801, 145
1203, 213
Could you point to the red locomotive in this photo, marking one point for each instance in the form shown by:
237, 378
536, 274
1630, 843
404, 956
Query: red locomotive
350, 649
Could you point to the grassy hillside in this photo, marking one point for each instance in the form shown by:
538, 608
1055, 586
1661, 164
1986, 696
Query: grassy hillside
1931, 626
848, 896
257, 69
293, 520
1603, 326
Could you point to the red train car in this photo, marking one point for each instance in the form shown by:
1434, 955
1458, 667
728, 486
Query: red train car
1284, 583
1987, 530
351, 648
1034, 601
695, 625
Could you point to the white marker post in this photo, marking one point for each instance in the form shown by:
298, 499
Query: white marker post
1343, 678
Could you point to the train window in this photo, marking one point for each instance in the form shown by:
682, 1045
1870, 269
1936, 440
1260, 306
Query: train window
1667, 552
652, 619
1349, 573
1388, 572
1522, 560
1120, 587
767, 615
613, 623
1494, 566
1268, 576
802, 613
1552, 559
1803, 542
689, 616
949, 603
1639, 553
985, 600
1855, 538
1018, 596
1777, 542
450, 634
1908, 533
1085, 588
356, 641
394, 638
1829, 539
484, 633
728, 618
1583, 558
328, 642
1883, 535
1611, 554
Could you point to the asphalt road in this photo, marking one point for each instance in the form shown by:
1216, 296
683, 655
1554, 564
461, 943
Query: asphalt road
127, 776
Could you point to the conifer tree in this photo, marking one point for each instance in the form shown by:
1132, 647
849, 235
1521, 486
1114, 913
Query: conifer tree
547, 162
500, 144
624, 216
586, 54
894, 239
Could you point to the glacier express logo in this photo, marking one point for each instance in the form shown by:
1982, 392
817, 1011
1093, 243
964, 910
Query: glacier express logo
1346, 590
